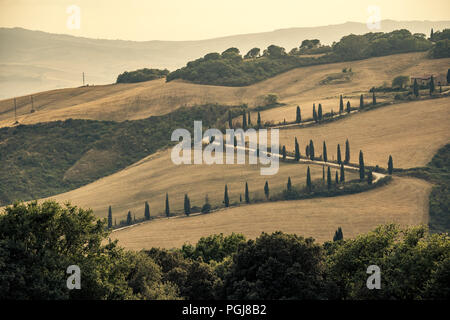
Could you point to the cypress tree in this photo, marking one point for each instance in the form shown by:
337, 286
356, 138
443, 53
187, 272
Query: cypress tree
431, 34
348, 107
448, 76
319, 111
323, 174
298, 117
341, 105
109, 218
329, 178
244, 121
226, 200
259, 120
297, 150
338, 235
369, 177
307, 151
347, 152
374, 99
187, 205
361, 102
339, 160
311, 149
283, 152
230, 120
337, 178
390, 165
308, 180
147, 211
235, 141
129, 219
167, 205
247, 196
240, 197
249, 119
266, 190
361, 166
416, 88
325, 157
342, 178
431, 85
289, 184
314, 112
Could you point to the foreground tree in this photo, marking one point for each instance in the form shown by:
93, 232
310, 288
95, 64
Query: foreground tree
40, 241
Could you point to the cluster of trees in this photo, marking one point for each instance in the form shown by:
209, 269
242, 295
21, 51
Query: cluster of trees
39, 241
141, 75
229, 68
441, 47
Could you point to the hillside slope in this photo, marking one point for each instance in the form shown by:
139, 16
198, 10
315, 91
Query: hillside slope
34, 61
404, 201
140, 100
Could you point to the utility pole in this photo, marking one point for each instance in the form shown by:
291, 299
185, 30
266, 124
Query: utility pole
15, 111
32, 104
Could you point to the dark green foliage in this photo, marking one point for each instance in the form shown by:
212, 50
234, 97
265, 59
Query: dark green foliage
141, 75
266, 190
187, 205
319, 112
298, 116
36, 159
283, 152
361, 101
110, 222
347, 152
307, 151
230, 69
441, 49
390, 165
147, 211
167, 206
342, 175
311, 150
338, 235
361, 166
324, 152
329, 181
39, 242
214, 247
341, 104
247, 195
129, 218
226, 199
297, 150
289, 184
348, 107
336, 180
277, 266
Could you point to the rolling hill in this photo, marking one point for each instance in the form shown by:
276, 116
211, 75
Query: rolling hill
33, 61
300, 86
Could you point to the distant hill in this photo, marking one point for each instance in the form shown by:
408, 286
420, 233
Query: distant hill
32, 61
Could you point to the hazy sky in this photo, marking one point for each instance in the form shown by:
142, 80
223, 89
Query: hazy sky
201, 19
